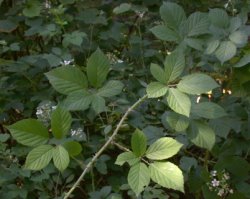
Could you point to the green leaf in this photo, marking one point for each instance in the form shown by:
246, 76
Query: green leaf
73, 148
208, 110
243, 61
60, 122
74, 38
196, 24
156, 89
4, 137
39, 157
212, 46
219, 17
221, 126
60, 158
124, 7
164, 33
172, 14
32, 8
158, 73
174, 65
29, 132
235, 24
226, 51
138, 143
77, 101
138, 177
178, 102
177, 122
67, 79
7, 26
201, 135
239, 38
98, 104
97, 68
128, 157
196, 84
111, 89
195, 43
163, 148
167, 175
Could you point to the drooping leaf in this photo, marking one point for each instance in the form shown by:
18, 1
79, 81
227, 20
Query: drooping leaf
77, 101
201, 135
196, 84
174, 65
158, 73
208, 110
138, 143
178, 102
29, 132
39, 157
73, 148
60, 158
98, 104
167, 175
225, 51
243, 61
156, 89
138, 177
128, 157
164, 33
239, 38
97, 68
196, 24
163, 148
172, 14
111, 89
67, 80
177, 122
212, 46
219, 17
124, 7
60, 122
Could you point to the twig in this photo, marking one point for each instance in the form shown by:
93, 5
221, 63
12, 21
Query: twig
90, 164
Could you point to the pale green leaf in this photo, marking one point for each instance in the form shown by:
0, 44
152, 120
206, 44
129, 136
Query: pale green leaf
138, 143
32, 8
39, 157
235, 24
138, 177
158, 73
195, 43
201, 135
128, 157
97, 68
239, 38
60, 158
124, 7
156, 89
67, 80
243, 61
167, 175
29, 132
111, 89
60, 122
212, 46
73, 148
177, 122
196, 24
178, 102
163, 148
208, 110
196, 84
98, 104
77, 101
219, 17
174, 65
225, 51
164, 33
172, 14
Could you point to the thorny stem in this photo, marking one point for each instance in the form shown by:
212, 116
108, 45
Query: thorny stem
107, 143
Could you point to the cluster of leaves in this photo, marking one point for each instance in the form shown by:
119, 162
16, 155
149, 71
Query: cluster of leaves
93, 59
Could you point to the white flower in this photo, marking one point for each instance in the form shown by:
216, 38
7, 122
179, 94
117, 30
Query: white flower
221, 192
213, 173
231, 191
67, 62
215, 183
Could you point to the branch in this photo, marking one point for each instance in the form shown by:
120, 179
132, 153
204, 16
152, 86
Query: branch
109, 141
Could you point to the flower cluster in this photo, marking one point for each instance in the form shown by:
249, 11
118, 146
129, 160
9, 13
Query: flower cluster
43, 112
219, 182
78, 134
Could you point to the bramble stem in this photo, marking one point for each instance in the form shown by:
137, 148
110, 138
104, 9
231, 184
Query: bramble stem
109, 141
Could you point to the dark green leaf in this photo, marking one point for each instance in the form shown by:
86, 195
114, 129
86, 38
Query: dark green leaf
73, 148
138, 143
164, 33
111, 89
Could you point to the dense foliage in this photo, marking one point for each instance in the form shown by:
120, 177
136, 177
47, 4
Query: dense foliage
149, 99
